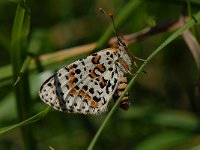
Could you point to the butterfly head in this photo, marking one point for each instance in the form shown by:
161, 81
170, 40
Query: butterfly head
121, 41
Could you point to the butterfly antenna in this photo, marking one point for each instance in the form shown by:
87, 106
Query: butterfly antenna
110, 19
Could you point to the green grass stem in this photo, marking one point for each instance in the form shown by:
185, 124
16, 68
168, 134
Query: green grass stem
20, 33
30, 120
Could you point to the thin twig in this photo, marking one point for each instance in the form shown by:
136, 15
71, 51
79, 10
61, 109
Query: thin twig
68, 53
131, 38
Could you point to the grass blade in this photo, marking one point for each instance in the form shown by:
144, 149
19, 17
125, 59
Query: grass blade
20, 33
194, 47
30, 120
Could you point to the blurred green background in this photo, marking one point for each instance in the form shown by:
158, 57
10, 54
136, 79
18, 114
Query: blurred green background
165, 104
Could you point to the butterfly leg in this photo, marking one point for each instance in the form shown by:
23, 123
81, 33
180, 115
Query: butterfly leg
126, 67
124, 104
135, 63
137, 58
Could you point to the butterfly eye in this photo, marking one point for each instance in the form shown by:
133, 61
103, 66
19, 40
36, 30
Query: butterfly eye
121, 42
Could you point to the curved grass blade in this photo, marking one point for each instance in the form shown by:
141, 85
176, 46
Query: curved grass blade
23, 69
33, 119
20, 32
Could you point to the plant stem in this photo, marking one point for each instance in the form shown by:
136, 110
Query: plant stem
20, 33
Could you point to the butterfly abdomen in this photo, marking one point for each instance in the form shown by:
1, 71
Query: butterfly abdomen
124, 104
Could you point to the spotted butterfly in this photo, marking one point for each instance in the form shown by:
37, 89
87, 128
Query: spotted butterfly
87, 85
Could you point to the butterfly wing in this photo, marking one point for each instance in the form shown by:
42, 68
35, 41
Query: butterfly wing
86, 86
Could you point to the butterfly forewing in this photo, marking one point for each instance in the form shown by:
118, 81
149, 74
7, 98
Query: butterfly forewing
85, 86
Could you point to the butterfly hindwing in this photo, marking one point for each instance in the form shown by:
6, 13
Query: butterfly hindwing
48, 94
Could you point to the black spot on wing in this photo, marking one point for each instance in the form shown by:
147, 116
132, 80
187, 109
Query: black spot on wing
77, 87
85, 101
91, 90
110, 69
49, 84
107, 53
109, 62
77, 71
75, 65
104, 101
67, 69
75, 80
112, 74
85, 87
99, 92
108, 86
111, 55
115, 80
66, 77
116, 71
96, 99
83, 63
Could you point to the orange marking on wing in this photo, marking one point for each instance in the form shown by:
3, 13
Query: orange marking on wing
74, 92
85, 95
71, 66
94, 104
96, 59
90, 101
88, 97
71, 78
71, 74
71, 83
82, 93
101, 68
102, 82
93, 74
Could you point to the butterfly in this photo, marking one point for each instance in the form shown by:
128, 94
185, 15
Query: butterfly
87, 85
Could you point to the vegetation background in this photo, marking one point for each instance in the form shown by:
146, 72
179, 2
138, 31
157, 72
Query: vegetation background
165, 102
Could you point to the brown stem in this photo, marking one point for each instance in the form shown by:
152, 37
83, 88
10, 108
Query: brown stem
131, 38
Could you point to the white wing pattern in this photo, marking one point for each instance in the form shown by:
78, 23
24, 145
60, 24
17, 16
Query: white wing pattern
85, 86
